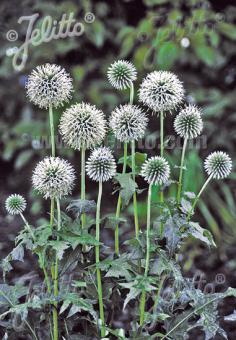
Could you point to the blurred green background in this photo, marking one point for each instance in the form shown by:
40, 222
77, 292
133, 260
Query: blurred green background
195, 39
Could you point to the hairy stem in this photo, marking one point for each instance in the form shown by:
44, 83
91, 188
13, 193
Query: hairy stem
97, 255
197, 197
118, 207
181, 171
143, 295
83, 217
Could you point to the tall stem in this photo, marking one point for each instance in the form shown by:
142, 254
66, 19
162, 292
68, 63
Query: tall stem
51, 120
197, 197
83, 217
118, 207
162, 154
143, 295
131, 96
181, 171
55, 278
97, 255
136, 223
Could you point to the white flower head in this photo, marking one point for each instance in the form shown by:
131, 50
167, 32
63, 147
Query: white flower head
101, 165
188, 123
121, 74
218, 165
49, 84
53, 177
83, 126
128, 122
156, 170
15, 204
161, 91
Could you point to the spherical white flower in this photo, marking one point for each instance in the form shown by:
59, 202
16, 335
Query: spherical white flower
188, 123
49, 84
101, 165
83, 126
161, 91
128, 122
53, 177
218, 164
15, 204
156, 170
121, 74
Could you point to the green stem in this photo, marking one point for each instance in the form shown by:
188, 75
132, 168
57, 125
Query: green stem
118, 207
162, 154
83, 217
52, 131
131, 96
162, 133
197, 197
136, 223
97, 251
181, 171
143, 296
55, 278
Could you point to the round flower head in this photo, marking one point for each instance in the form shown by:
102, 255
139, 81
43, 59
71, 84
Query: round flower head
156, 170
128, 122
49, 85
121, 74
83, 126
161, 91
15, 204
218, 165
188, 123
53, 177
101, 165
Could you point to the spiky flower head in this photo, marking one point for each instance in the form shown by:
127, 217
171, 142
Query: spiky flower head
101, 165
53, 177
156, 170
161, 91
83, 126
218, 164
121, 74
15, 204
49, 84
188, 123
128, 122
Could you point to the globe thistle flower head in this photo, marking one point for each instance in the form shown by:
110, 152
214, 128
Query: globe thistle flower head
49, 84
121, 74
156, 170
53, 177
15, 204
128, 122
161, 91
101, 165
188, 123
218, 165
83, 126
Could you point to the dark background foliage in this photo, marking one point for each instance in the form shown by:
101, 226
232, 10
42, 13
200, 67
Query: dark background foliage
195, 39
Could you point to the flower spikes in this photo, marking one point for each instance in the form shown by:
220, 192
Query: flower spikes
156, 170
49, 84
15, 204
161, 91
101, 165
121, 74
